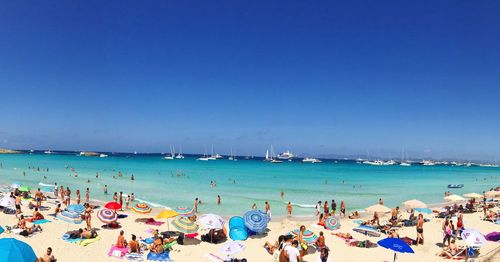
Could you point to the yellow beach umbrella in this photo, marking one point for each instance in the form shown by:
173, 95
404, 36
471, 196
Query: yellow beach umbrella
414, 203
378, 208
473, 195
454, 198
167, 213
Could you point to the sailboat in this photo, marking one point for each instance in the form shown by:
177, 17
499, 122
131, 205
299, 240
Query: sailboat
403, 161
273, 159
179, 155
213, 156
232, 157
171, 155
48, 152
204, 157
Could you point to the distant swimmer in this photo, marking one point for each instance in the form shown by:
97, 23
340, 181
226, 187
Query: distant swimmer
282, 194
97, 175
105, 189
88, 180
254, 206
132, 177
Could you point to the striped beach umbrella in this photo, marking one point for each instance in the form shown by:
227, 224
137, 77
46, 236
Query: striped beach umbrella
70, 217
107, 216
184, 211
256, 220
76, 208
308, 236
367, 231
142, 208
332, 223
185, 225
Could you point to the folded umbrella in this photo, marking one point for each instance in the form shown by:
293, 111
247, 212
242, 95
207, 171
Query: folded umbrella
7, 201
368, 231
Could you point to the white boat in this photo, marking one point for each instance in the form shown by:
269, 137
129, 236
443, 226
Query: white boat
267, 156
204, 157
405, 164
428, 163
374, 163
311, 160
217, 156
179, 155
48, 152
171, 155
276, 161
389, 163
232, 157
272, 159
287, 155
103, 155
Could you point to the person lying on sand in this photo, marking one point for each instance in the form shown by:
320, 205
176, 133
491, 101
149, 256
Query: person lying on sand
87, 234
451, 250
277, 245
354, 215
343, 235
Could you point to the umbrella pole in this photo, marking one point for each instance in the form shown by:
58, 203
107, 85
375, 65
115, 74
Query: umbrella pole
394, 257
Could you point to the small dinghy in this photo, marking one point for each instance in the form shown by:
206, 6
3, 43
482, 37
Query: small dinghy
455, 186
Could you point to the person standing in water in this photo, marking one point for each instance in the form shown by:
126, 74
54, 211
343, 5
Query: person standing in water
87, 196
105, 189
121, 201
196, 205
282, 194
289, 208
218, 199
268, 209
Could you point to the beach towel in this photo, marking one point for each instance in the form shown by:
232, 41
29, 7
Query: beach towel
213, 257
159, 257
148, 240
41, 221
134, 257
118, 252
153, 222
191, 235
86, 242
169, 245
122, 216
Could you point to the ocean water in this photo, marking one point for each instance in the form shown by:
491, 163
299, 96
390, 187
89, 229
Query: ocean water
171, 183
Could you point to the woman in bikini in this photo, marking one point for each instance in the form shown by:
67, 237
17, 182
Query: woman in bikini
420, 229
87, 216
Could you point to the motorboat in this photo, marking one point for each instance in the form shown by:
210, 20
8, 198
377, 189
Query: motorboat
311, 160
455, 186
287, 155
103, 155
48, 152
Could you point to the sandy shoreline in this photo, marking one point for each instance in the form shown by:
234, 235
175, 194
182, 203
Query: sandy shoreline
194, 250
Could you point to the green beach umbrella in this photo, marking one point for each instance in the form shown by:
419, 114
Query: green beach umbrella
24, 188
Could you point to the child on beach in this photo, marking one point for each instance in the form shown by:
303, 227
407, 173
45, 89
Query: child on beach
289, 209
127, 201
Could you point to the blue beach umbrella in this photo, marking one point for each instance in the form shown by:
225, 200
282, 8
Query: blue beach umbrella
76, 208
13, 250
396, 245
424, 210
256, 220
69, 217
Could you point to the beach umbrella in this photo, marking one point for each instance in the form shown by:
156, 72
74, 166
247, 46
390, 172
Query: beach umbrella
211, 221
185, 225
414, 203
232, 248
12, 249
184, 211
167, 213
70, 217
142, 208
113, 205
256, 220
493, 236
332, 223
423, 210
7, 201
378, 208
454, 198
76, 208
367, 231
492, 193
308, 236
24, 189
473, 238
396, 245
473, 195
107, 216
15, 185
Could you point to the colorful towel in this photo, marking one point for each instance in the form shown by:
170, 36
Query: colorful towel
155, 223
83, 242
148, 240
159, 257
191, 235
66, 238
41, 221
118, 252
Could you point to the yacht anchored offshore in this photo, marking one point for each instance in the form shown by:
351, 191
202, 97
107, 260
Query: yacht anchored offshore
287, 155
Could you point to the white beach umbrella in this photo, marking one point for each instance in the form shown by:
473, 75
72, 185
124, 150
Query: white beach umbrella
454, 198
7, 201
473, 238
414, 203
492, 193
15, 185
378, 208
211, 221
473, 195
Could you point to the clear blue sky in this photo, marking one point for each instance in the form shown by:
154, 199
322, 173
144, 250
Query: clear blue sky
332, 77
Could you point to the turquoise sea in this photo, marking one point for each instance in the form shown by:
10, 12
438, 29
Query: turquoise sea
241, 183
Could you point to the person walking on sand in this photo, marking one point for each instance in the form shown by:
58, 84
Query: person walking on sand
342, 209
289, 209
121, 201
87, 216
318, 208
196, 205
420, 229
268, 209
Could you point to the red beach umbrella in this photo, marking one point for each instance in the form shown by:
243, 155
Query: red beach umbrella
113, 205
